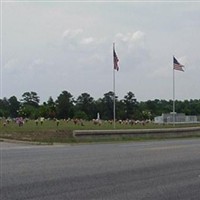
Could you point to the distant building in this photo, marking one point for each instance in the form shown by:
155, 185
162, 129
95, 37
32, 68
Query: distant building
169, 118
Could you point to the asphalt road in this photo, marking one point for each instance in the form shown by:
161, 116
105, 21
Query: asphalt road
157, 170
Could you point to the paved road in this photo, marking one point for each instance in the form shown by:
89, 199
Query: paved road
158, 170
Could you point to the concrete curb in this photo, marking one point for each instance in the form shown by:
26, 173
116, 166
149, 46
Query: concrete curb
139, 132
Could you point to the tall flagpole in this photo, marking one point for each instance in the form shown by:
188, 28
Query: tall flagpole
116, 67
173, 95
179, 67
114, 91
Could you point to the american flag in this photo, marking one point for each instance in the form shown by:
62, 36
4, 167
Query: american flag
115, 60
177, 65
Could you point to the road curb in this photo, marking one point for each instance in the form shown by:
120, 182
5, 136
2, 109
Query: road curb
138, 132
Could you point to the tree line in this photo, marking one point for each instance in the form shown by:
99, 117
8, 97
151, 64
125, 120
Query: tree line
86, 107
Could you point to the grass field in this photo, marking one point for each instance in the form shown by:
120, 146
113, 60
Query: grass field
49, 132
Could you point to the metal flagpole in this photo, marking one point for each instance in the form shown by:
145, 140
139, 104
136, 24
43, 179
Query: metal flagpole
113, 92
173, 95
176, 66
116, 67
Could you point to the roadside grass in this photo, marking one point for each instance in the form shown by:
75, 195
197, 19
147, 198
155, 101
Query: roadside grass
50, 133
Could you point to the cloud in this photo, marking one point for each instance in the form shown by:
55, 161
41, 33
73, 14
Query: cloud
88, 40
132, 48
74, 38
80, 37
132, 42
137, 36
73, 33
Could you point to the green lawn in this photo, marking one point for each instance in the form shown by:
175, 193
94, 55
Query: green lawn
49, 131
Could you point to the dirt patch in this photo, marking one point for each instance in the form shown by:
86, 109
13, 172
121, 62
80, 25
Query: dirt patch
44, 136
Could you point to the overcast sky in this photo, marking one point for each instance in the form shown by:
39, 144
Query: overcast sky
49, 47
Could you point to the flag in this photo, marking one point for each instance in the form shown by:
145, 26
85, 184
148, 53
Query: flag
177, 65
115, 60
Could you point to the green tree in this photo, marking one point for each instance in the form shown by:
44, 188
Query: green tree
85, 103
48, 110
120, 110
64, 105
29, 111
51, 105
4, 108
14, 106
131, 104
30, 98
43, 110
29, 105
107, 102
80, 115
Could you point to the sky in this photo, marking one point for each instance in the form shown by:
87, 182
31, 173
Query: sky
54, 46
